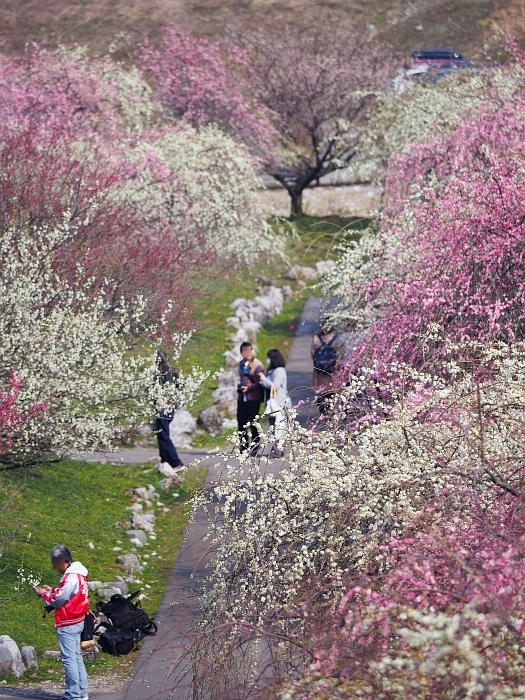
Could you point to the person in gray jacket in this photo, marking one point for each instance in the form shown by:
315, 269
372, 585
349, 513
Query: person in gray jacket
275, 384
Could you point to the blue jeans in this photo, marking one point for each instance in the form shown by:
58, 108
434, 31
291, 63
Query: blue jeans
167, 451
76, 676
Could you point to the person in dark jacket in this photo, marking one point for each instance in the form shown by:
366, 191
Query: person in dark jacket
249, 398
167, 450
70, 602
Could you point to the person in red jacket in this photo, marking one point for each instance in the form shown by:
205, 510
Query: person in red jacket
70, 601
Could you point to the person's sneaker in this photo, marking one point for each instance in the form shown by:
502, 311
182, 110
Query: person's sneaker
180, 468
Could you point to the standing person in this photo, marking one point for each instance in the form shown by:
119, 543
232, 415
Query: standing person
167, 450
70, 601
249, 398
276, 381
324, 350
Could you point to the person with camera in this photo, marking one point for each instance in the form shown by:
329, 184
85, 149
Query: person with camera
70, 602
250, 394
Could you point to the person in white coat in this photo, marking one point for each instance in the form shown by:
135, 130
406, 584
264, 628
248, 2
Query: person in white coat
275, 384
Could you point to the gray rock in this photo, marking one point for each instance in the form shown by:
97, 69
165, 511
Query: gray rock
232, 358
143, 521
142, 492
226, 399
94, 585
129, 563
121, 586
165, 469
145, 430
240, 336
51, 654
28, 655
136, 507
139, 535
10, 657
183, 428
106, 593
228, 378
287, 292
234, 322
251, 329
170, 482
298, 272
225, 396
91, 653
237, 302
323, 267
211, 419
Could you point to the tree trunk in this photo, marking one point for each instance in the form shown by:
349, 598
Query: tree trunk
297, 205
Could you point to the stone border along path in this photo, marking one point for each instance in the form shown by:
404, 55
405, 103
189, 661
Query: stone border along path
151, 676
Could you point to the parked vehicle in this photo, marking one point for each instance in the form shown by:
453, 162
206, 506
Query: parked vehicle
436, 56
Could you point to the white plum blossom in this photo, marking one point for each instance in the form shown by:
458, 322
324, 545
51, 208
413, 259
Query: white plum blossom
70, 352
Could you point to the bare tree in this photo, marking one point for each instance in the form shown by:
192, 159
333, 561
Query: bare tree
320, 83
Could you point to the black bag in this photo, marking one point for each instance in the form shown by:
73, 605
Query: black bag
119, 642
125, 614
86, 636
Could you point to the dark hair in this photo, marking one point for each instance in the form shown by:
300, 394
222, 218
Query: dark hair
245, 345
326, 325
162, 357
61, 552
276, 359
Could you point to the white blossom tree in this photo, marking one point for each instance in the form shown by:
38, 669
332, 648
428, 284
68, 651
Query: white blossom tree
71, 355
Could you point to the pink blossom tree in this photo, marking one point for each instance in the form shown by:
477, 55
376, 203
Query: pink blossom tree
449, 609
147, 204
205, 82
12, 417
447, 260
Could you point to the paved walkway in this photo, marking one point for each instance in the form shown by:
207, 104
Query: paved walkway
153, 672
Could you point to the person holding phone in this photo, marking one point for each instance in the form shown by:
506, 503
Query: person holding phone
70, 602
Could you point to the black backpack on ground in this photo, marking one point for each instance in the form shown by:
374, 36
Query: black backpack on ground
128, 624
118, 642
325, 356
86, 636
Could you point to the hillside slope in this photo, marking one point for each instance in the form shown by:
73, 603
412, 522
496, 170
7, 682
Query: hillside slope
406, 24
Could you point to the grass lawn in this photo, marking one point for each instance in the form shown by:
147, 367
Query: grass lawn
74, 503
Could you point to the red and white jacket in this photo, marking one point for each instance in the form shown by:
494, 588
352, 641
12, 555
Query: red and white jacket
70, 597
